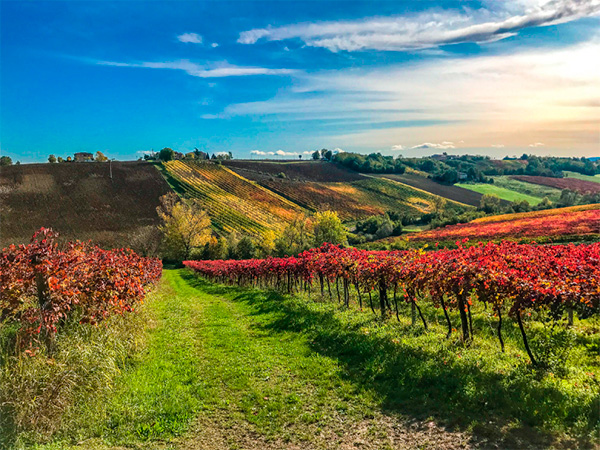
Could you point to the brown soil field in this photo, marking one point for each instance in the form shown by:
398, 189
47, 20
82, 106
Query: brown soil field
573, 184
319, 171
80, 201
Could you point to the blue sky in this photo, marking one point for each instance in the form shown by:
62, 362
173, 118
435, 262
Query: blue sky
257, 78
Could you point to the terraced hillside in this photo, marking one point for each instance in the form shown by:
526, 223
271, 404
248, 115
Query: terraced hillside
79, 200
232, 201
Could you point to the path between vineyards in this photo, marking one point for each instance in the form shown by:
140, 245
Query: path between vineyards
227, 369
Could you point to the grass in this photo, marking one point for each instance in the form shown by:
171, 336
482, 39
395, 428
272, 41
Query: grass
534, 190
277, 371
503, 192
579, 176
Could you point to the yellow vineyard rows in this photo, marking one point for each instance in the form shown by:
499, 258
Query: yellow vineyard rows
232, 201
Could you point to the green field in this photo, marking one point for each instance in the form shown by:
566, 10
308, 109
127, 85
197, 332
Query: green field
502, 192
595, 178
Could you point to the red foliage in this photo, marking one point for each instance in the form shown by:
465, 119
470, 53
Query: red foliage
42, 285
517, 276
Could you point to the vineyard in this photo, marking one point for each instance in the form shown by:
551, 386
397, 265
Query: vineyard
561, 223
43, 285
357, 199
498, 276
573, 184
232, 202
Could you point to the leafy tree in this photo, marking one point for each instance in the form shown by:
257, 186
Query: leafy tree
61, 159
328, 155
51, 159
5, 161
216, 248
245, 249
100, 157
266, 245
185, 226
295, 238
522, 206
316, 155
490, 203
166, 154
329, 228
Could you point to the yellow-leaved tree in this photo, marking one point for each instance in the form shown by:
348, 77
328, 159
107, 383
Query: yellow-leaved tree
185, 226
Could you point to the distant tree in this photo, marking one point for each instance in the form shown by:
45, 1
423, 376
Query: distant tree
60, 159
185, 226
190, 155
544, 204
439, 205
299, 156
18, 163
100, 157
328, 154
51, 159
522, 206
5, 161
213, 156
216, 248
329, 228
166, 154
69, 159
316, 155
490, 203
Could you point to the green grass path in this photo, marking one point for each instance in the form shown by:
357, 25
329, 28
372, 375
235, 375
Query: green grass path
227, 367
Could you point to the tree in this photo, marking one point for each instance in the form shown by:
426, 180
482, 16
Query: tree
166, 154
51, 159
329, 228
316, 155
266, 245
245, 249
490, 203
328, 154
5, 161
295, 238
185, 226
100, 157
60, 159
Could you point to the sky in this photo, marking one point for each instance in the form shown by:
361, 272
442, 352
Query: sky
281, 79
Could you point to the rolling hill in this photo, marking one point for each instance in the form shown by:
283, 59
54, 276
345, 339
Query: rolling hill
79, 200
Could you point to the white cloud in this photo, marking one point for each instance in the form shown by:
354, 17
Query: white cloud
397, 147
537, 94
438, 146
221, 153
497, 145
202, 71
537, 144
338, 150
190, 38
282, 153
307, 153
214, 45
258, 152
427, 29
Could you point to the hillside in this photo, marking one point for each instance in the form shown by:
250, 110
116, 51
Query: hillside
79, 200
319, 186
560, 224
232, 201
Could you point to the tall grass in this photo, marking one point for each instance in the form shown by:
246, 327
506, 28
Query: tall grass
42, 397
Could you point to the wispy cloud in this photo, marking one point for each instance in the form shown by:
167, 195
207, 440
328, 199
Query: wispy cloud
512, 99
446, 145
397, 147
200, 70
190, 38
497, 146
537, 144
425, 30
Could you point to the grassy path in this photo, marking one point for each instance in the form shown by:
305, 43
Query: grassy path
229, 368
221, 366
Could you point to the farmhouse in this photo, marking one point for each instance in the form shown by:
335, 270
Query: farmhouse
84, 156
